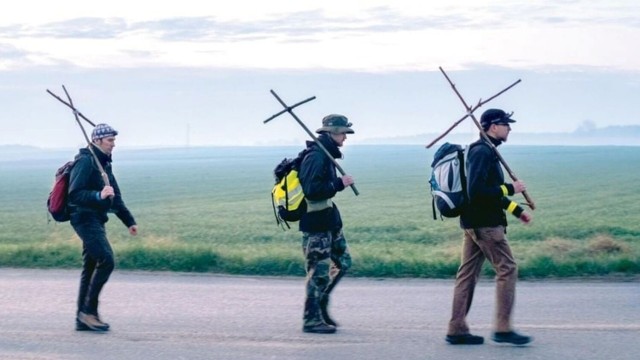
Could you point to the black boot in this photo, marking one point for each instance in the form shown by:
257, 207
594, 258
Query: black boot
324, 303
312, 321
82, 327
324, 298
321, 328
92, 322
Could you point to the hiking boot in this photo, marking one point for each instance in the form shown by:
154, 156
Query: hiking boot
321, 328
511, 337
92, 322
324, 303
82, 327
464, 339
312, 315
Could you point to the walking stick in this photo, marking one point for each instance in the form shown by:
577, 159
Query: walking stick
289, 109
71, 107
480, 103
77, 115
484, 135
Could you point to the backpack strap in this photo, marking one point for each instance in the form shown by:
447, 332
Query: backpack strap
301, 155
444, 197
279, 221
433, 200
462, 157
433, 207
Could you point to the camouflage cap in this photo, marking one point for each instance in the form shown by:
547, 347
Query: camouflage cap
335, 123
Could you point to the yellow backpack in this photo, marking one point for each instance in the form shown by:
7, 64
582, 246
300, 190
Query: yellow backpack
287, 196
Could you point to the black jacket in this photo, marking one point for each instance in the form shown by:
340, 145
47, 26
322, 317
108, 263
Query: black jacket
486, 188
320, 182
85, 184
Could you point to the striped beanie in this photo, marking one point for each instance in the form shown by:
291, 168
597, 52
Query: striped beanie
102, 131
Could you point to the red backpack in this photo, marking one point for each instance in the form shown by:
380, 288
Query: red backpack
57, 200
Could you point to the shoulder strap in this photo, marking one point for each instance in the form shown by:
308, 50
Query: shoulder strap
301, 155
462, 157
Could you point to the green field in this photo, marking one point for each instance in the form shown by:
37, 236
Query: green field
209, 210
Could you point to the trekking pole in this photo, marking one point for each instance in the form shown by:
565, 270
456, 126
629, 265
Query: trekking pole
71, 106
480, 103
289, 109
484, 135
76, 113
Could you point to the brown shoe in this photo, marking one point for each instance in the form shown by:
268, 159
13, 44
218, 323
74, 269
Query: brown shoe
92, 322
321, 328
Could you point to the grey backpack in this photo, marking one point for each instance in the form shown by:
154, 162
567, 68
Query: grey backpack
448, 181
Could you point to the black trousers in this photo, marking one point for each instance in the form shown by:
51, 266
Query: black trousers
97, 262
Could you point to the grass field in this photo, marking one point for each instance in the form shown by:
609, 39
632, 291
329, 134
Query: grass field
209, 210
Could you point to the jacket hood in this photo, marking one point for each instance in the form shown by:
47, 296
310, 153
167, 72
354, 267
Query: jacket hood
494, 141
331, 146
104, 158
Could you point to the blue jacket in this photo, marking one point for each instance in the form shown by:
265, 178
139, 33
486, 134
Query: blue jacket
85, 184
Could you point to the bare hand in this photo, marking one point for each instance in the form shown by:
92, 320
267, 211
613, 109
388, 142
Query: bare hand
525, 217
347, 180
106, 192
133, 230
519, 186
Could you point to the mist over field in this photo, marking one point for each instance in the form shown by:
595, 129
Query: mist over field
588, 134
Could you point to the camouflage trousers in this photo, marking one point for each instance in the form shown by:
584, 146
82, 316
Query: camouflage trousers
327, 259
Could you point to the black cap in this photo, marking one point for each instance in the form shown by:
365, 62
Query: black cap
495, 116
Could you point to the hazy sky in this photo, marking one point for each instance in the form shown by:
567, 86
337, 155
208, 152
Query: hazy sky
198, 73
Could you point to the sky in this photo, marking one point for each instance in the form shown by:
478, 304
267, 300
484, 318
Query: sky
200, 73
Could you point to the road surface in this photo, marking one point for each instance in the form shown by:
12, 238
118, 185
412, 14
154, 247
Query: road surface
198, 316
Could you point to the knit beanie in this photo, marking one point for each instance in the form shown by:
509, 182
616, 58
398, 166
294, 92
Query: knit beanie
102, 131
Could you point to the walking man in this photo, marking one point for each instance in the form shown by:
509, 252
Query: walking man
484, 223
89, 202
325, 249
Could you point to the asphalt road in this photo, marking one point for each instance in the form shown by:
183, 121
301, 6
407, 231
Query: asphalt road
187, 316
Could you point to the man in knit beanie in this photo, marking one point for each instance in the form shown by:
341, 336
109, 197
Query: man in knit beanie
90, 200
102, 131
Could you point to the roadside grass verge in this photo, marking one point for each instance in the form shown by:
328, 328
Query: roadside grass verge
597, 256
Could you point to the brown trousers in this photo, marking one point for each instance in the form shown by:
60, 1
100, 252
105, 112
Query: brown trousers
490, 243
